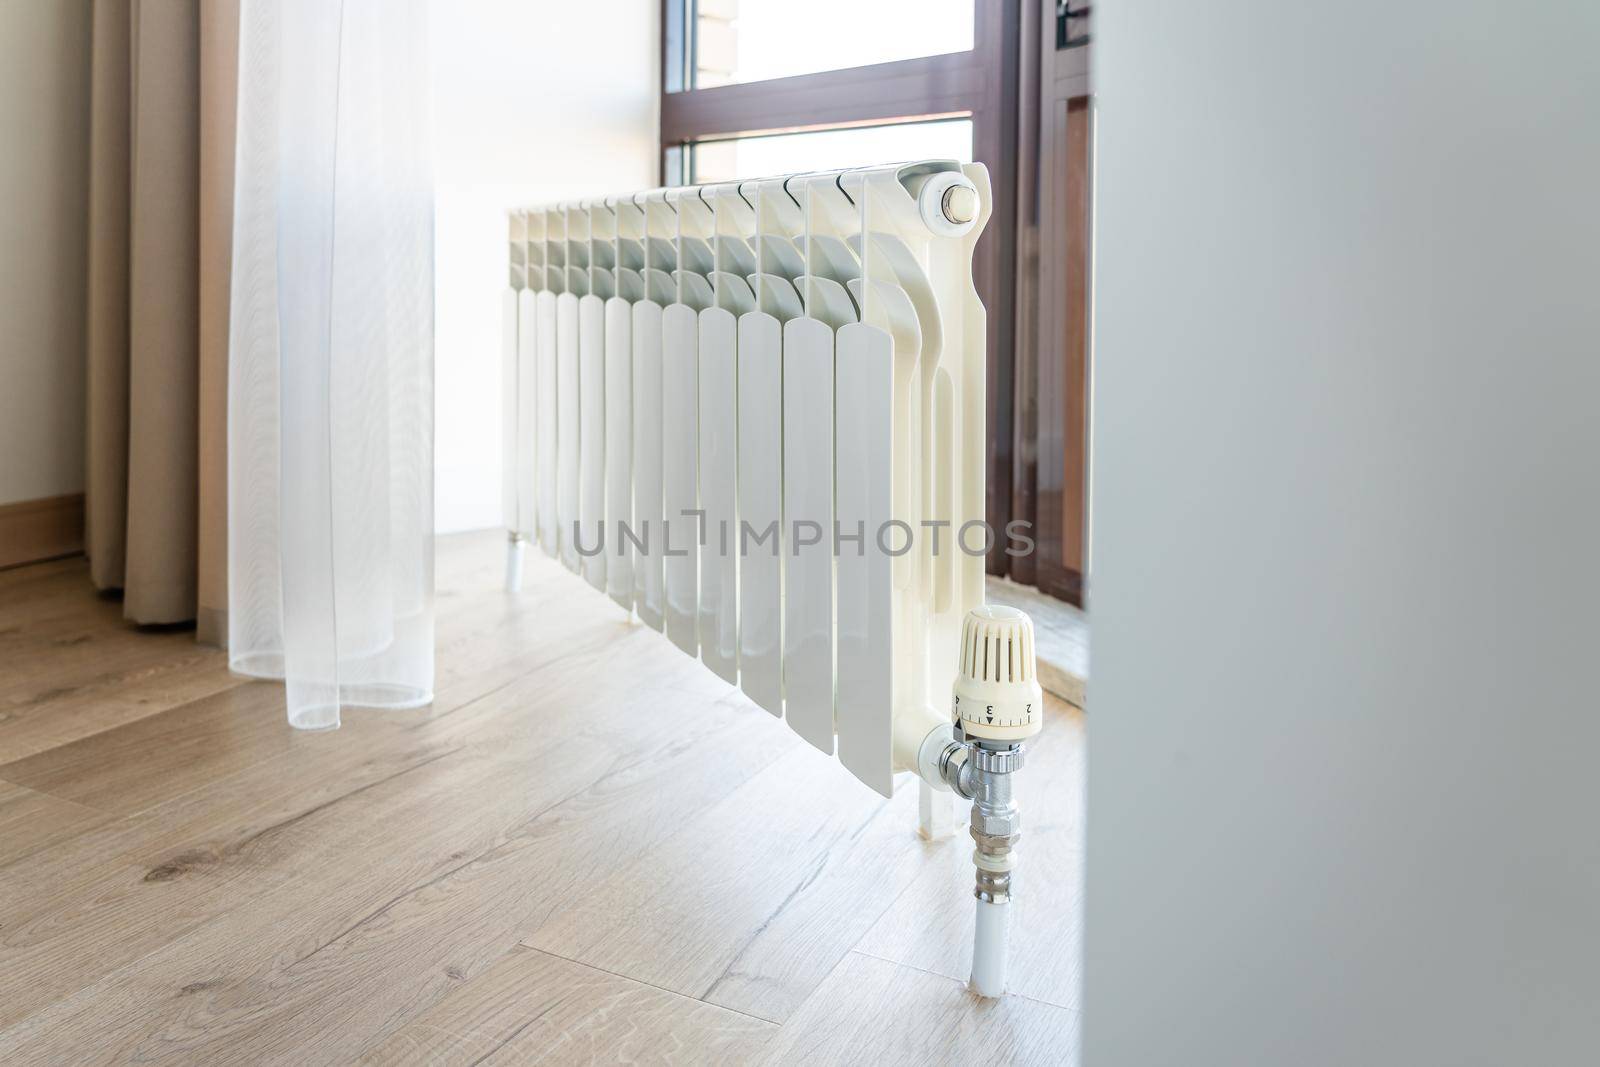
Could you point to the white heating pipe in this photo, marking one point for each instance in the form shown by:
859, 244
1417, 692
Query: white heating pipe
989, 948
514, 564
936, 812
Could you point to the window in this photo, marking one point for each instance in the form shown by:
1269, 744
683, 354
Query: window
757, 87
739, 41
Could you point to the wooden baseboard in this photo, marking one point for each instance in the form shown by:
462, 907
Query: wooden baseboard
35, 530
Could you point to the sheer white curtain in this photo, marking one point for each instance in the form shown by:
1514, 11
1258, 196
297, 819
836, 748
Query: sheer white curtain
330, 399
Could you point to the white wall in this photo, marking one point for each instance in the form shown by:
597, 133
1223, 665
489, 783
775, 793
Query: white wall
1344, 737
533, 103
44, 189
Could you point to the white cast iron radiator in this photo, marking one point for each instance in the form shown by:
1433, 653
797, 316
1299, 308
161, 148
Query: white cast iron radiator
753, 414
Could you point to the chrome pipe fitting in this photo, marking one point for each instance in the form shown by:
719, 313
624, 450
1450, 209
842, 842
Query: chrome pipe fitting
996, 822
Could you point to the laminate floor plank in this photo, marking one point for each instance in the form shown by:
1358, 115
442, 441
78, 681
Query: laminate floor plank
30, 821
44, 590
141, 763
72, 673
753, 901
872, 1012
85, 906
536, 1008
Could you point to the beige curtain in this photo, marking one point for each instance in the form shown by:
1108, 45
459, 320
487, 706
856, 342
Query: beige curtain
219, 97
160, 217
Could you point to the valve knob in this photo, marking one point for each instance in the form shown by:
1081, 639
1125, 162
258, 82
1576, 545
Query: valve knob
997, 694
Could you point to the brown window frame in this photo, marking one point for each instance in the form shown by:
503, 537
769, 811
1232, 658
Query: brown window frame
980, 84
1050, 476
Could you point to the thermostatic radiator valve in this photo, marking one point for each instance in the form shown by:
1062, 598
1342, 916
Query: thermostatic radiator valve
997, 706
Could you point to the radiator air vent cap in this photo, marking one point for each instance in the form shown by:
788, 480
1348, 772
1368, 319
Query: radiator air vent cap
997, 695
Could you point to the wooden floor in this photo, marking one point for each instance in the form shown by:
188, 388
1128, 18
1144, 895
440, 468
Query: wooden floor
588, 849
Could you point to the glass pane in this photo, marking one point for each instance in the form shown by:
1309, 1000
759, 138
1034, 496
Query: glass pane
752, 40
790, 153
673, 169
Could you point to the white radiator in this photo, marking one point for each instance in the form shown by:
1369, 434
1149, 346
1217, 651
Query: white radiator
725, 385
